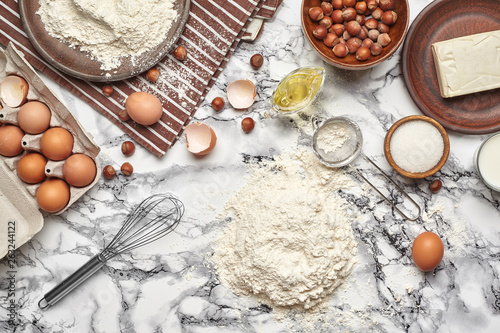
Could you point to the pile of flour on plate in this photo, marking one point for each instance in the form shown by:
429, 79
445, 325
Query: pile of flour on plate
111, 29
289, 242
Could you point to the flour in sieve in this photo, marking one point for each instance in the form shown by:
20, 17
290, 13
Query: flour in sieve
111, 29
290, 242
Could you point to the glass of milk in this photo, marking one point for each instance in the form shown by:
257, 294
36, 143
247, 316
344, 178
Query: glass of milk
487, 161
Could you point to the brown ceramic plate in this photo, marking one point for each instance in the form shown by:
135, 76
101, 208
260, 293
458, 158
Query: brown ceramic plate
79, 64
397, 34
477, 113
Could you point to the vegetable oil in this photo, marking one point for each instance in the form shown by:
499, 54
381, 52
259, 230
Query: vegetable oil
298, 89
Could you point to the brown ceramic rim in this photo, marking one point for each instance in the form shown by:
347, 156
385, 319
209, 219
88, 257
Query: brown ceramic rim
430, 172
350, 62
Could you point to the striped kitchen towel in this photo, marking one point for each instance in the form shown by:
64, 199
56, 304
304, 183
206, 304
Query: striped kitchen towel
212, 33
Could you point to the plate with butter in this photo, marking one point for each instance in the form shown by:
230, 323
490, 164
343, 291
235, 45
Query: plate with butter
451, 64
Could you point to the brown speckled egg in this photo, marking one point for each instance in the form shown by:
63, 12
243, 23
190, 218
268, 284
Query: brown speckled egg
10, 140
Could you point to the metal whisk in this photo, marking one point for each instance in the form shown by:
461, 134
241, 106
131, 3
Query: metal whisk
152, 219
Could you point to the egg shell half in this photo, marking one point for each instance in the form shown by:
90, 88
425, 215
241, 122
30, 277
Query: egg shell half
427, 251
144, 108
200, 138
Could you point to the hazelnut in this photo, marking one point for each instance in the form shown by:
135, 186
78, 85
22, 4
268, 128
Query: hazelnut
383, 28
353, 44
363, 53
340, 50
372, 4
360, 19
389, 17
371, 23
127, 169
348, 3
327, 8
435, 185
387, 4
247, 124
346, 35
326, 21
373, 34
377, 13
218, 103
180, 53
338, 40
338, 29
367, 43
123, 115
107, 90
337, 4
363, 34
153, 74
353, 28
319, 32
361, 7
128, 148
384, 39
349, 14
256, 61
330, 38
337, 16
376, 49
109, 172
316, 13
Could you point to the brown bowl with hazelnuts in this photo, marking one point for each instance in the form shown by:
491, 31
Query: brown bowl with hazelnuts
354, 34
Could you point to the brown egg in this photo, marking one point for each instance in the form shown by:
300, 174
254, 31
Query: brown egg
144, 108
53, 195
34, 117
10, 140
427, 251
31, 168
79, 170
57, 143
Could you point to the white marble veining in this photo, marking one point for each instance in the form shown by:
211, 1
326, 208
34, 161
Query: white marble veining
171, 286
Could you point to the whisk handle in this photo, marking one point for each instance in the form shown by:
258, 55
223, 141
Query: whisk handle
71, 282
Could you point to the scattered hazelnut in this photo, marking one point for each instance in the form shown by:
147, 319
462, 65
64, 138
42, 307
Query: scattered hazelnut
320, 32
127, 169
372, 4
330, 38
256, 61
371, 23
128, 148
348, 3
363, 53
338, 29
107, 90
218, 103
109, 172
327, 8
316, 13
384, 39
353, 44
123, 115
340, 50
387, 4
326, 21
180, 53
247, 124
361, 7
337, 4
349, 14
353, 28
337, 16
377, 13
153, 74
376, 49
435, 185
389, 17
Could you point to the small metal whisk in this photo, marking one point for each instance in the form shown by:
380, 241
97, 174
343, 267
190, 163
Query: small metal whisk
152, 219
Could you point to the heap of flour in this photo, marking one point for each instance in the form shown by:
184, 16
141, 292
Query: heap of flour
290, 242
111, 29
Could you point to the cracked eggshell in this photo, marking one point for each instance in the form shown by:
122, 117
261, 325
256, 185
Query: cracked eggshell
14, 90
200, 138
241, 94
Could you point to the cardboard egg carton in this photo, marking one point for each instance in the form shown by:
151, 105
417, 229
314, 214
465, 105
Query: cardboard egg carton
17, 198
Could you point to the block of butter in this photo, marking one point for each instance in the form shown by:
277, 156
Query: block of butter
468, 64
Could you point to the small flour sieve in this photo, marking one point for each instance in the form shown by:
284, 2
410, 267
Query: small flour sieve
338, 141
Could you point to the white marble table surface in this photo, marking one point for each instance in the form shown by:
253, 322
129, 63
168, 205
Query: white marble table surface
170, 286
